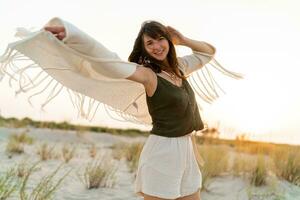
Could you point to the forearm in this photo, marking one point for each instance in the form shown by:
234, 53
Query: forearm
199, 46
80, 41
96, 58
202, 54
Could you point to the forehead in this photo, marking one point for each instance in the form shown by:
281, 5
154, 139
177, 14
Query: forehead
149, 38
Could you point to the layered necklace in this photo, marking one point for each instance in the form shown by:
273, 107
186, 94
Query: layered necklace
172, 76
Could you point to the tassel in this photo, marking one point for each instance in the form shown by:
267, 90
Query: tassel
204, 84
22, 32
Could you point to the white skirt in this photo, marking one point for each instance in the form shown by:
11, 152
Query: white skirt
168, 168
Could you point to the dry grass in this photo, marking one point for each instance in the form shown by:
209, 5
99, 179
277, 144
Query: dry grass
23, 169
259, 174
81, 131
8, 184
254, 148
119, 150
23, 138
14, 147
99, 173
216, 162
133, 153
242, 165
45, 151
93, 151
130, 151
16, 143
287, 164
68, 152
44, 189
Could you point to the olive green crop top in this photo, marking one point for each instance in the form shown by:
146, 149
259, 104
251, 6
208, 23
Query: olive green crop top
173, 109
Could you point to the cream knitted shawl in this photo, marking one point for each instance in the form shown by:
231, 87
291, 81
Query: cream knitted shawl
91, 74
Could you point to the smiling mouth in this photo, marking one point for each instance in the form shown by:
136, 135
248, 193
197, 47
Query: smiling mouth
159, 53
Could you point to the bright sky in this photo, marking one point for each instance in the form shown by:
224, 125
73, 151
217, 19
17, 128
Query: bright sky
258, 38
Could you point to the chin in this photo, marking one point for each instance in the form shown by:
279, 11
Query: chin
160, 58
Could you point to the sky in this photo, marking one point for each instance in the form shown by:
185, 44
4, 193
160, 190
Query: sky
259, 39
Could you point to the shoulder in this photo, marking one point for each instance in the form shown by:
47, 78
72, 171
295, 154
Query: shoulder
142, 74
146, 71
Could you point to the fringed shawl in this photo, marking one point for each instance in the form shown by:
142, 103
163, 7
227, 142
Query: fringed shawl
92, 75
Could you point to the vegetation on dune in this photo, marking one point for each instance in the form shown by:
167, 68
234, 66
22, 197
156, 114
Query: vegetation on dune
44, 189
215, 163
8, 184
130, 151
25, 122
252, 160
15, 182
100, 172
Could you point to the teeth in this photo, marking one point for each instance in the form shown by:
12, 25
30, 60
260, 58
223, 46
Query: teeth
159, 52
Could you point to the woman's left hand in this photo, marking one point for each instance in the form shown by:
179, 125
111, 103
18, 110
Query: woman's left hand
176, 36
57, 31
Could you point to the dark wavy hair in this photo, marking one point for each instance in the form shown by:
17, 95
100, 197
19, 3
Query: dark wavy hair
140, 56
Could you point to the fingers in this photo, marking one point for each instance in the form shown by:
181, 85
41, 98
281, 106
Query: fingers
61, 35
57, 31
171, 29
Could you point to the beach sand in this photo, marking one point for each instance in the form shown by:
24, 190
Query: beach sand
220, 188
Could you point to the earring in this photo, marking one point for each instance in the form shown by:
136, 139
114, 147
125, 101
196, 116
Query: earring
140, 61
146, 60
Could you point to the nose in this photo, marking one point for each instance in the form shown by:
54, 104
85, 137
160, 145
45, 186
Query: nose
156, 45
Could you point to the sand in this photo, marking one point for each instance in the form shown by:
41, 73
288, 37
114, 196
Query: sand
220, 188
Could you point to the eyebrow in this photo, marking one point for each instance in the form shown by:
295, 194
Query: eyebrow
149, 40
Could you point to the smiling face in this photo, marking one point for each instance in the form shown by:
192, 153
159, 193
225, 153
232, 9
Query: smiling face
153, 48
157, 48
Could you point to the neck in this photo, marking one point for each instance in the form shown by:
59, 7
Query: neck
166, 63
166, 66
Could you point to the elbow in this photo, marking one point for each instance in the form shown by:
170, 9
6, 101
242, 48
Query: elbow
210, 49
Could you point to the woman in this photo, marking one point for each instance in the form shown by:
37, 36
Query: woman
168, 166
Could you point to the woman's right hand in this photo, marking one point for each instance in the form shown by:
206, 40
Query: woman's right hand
58, 31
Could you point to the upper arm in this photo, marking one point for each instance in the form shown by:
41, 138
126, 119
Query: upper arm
141, 75
195, 61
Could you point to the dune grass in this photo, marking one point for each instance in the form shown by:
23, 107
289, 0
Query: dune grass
287, 164
259, 174
8, 184
68, 152
242, 165
23, 168
119, 150
16, 143
254, 148
216, 163
18, 123
93, 151
23, 138
15, 181
13, 146
100, 172
45, 151
44, 189
133, 153
130, 151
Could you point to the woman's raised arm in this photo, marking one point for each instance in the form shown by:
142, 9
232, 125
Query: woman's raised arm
112, 65
203, 52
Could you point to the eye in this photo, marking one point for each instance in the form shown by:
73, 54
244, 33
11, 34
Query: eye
161, 38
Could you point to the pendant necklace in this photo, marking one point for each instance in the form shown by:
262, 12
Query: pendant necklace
172, 76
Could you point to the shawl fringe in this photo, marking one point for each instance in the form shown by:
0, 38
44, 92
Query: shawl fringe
12, 65
19, 68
